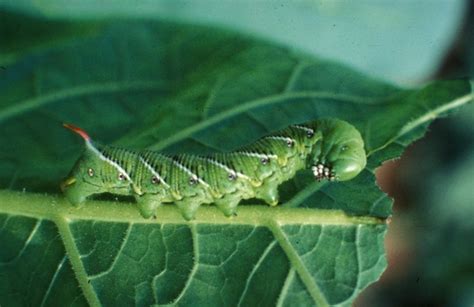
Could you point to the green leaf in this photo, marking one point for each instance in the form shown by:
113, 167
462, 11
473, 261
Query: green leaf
177, 87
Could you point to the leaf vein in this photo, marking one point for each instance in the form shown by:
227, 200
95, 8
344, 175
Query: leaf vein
72, 92
196, 263
27, 241
53, 279
245, 107
119, 251
286, 286
255, 269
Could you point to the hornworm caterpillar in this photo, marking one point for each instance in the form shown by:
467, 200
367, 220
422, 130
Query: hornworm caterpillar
333, 149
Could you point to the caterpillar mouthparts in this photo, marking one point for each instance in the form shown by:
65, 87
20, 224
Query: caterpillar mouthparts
320, 172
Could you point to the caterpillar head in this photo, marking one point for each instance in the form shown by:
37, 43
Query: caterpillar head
93, 173
342, 155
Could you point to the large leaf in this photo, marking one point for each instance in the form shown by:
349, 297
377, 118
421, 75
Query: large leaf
175, 87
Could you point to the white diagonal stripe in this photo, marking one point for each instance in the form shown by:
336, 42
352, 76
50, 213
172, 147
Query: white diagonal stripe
256, 155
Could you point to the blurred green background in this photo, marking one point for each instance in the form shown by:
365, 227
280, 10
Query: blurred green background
431, 237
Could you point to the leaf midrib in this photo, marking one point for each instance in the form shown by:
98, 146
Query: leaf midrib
53, 207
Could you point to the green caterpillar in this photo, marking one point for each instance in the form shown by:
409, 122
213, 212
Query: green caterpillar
333, 149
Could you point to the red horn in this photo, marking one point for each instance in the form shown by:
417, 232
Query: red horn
79, 131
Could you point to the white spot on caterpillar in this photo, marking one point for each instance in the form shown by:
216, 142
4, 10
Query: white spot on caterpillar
193, 180
90, 172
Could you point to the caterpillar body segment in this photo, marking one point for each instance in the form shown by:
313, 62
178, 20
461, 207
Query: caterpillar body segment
331, 148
